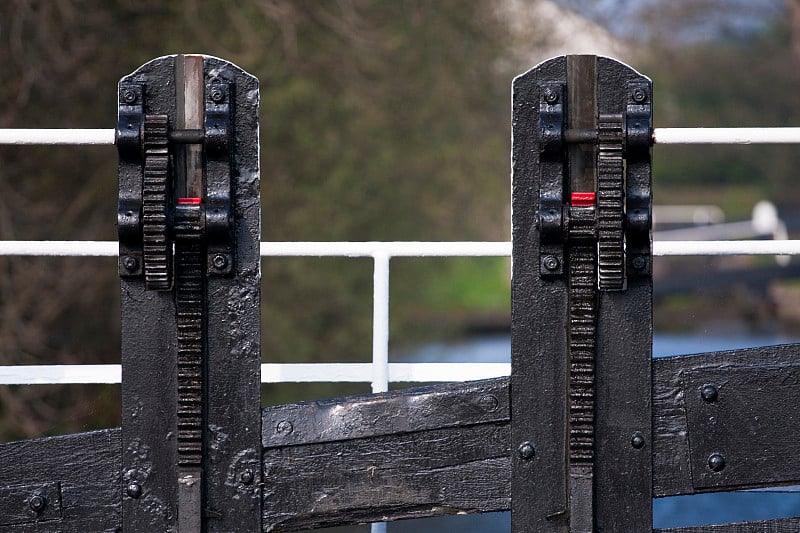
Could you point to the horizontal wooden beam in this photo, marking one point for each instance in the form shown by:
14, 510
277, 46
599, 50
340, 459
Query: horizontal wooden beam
442, 449
783, 525
77, 479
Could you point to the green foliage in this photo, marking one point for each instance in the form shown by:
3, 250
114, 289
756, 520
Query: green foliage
380, 121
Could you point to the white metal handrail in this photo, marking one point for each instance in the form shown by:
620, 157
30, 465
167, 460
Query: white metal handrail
24, 136
380, 372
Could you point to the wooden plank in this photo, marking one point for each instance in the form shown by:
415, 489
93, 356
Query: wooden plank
78, 474
317, 476
233, 411
681, 450
538, 314
409, 475
149, 333
405, 411
785, 525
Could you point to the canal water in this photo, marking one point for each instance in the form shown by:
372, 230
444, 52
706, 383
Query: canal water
677, 511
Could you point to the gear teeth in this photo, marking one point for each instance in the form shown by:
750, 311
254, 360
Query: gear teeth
156, 193
610, 204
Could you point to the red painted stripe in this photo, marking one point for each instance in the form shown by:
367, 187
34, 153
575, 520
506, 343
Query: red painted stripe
190, 201
583, 199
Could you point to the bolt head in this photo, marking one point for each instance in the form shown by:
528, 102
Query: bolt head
217, 95
134, 489
526, 451
128, 96
550, 96
130, 263
220, 262
716, 462
639, 95
488, 403
637, 441
639, 262
37, 503
284, 427
247, 477
551, 262
709, 393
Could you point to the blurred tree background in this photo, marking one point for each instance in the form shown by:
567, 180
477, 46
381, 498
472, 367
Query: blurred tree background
380, 121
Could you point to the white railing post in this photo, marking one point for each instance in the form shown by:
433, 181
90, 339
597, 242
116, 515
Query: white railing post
380, 323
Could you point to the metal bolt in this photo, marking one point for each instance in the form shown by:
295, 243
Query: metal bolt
284, 427
639, 262
550, 96
526, 450
637, 441
639, 95
716, 462
551, 262
220, 262
247, 477
37, 503
130, 263
217, 95
488, 403
134, 489
128, 96
709, 393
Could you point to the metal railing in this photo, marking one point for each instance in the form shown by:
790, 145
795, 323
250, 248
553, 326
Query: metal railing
380, 372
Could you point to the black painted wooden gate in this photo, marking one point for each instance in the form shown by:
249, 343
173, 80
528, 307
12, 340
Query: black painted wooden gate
587, 430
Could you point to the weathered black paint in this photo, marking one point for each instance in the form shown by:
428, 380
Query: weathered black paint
542, 343
226, 384
718, 420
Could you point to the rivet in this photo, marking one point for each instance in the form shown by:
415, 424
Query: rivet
128, 96
284, 427
526, 450
639, 262
488, 403
709, 393
639, 95
220, 262
637, 441
247, 477
550, 96
134, 489
716, 462
37, 503
217, 95
129, 263
550, 262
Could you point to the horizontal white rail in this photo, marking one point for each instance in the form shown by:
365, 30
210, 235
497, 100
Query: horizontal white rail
21, 136
56, 136
270, 373
405, 248
726, 135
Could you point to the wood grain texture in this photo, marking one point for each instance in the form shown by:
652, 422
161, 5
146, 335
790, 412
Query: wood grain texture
759, 372
79, 474
786, 525
405, 411
410, 475
426, 451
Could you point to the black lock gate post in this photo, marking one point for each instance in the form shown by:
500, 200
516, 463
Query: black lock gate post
189, 228
581, 298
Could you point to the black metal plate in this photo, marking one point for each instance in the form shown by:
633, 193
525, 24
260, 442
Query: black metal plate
753, 424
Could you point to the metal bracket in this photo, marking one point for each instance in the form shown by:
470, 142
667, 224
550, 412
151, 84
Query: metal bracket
130, 121
218, 215
638, 141
551, 214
